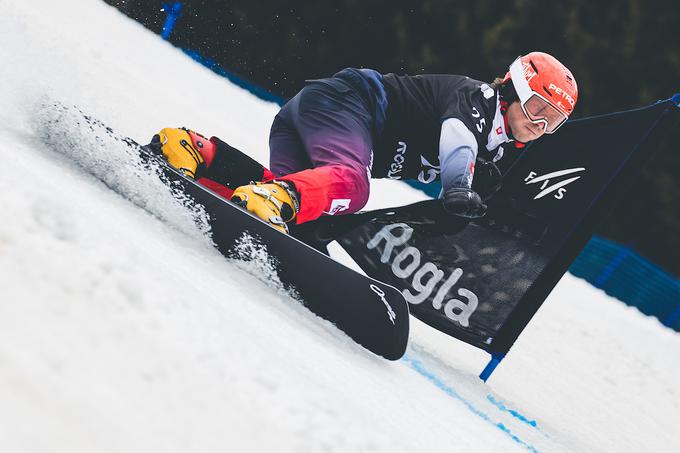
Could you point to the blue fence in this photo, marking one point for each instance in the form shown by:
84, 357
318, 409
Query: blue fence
627, 276
616, 269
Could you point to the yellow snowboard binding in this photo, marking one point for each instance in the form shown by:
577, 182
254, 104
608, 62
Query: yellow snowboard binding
275, 202
183, 149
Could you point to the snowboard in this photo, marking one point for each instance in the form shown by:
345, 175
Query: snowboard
374, 314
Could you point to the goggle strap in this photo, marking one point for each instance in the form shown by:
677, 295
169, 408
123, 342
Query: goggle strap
520, 82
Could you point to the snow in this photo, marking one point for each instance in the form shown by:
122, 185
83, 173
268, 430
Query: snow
125, 331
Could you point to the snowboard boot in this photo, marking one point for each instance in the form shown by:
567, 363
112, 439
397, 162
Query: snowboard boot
185, 150
275, 202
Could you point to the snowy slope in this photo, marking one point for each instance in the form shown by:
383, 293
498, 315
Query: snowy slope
123, 332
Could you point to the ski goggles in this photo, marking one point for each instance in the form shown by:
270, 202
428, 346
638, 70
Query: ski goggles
537, 109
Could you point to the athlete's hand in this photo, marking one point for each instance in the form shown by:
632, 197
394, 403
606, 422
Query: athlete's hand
463, 202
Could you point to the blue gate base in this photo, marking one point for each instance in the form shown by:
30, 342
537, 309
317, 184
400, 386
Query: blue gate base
491, 366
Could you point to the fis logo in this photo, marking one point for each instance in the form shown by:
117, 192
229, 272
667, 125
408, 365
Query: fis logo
558, 188
381, 294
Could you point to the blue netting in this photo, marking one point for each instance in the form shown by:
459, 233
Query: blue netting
624, 274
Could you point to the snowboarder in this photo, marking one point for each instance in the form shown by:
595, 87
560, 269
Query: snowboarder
330, 139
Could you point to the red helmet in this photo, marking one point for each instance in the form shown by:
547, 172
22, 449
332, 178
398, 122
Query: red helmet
545, 87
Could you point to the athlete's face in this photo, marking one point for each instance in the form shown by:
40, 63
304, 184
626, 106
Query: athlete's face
522, 129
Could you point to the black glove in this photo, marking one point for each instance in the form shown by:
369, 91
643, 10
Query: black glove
464, 202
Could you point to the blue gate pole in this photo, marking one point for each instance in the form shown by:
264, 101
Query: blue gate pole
676, 99
173, 12
491, 366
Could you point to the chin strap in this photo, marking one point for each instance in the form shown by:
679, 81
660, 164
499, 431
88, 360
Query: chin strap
504, 110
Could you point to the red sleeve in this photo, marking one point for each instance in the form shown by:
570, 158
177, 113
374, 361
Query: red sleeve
218, 188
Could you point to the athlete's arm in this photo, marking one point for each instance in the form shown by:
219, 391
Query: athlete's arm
457, 154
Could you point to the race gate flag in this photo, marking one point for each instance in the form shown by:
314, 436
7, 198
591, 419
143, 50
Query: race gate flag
483, 281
